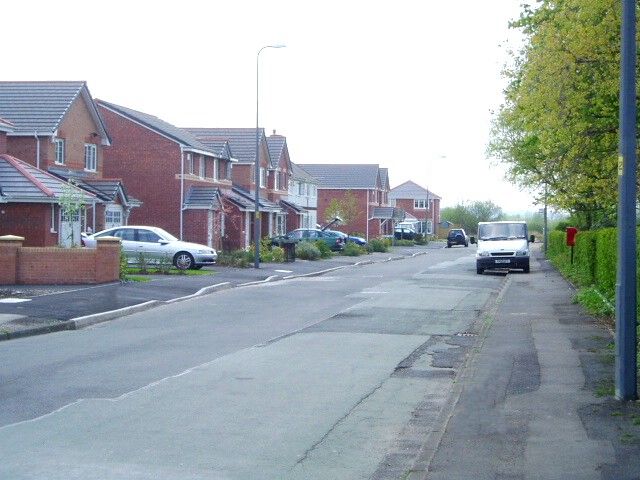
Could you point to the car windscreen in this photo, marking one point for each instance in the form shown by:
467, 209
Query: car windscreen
501, 231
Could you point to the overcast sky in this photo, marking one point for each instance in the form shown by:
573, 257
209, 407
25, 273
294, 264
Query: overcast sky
405, 84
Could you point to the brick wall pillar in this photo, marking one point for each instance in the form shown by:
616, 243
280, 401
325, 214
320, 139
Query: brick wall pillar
9, 246
107, 260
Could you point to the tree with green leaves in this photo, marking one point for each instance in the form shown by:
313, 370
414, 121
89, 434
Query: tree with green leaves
557, 129
346, 208
467, 216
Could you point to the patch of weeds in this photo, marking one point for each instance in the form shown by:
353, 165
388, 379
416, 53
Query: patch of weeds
594, 302
617, 414
136, 278
628, 438
635, 420
605, 388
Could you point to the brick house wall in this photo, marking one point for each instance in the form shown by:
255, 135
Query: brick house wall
149, 164
77, 128
29, 220
359, 224
420, 213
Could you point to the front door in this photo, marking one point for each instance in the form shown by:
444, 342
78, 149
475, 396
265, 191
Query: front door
69, 229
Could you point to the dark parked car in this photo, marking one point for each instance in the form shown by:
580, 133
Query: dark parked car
457, 236
335, 240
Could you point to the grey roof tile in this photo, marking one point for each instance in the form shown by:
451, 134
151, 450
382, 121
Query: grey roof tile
179, 135
299, 173
41, 106
22, 182
245, 199
202, 196
393, 213
242, 141
344, 175
411, 190
277, 145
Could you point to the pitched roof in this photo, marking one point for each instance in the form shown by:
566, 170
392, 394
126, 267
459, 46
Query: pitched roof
40, 107
219, 145
245, 200
161, 127
393, 213
384, 178
6, 125
104, 188
293, 206
202, 197
344, 175
411, 190
22, 182
299, 173
242, 141
277, 146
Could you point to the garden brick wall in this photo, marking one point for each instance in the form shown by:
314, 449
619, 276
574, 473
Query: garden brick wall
56, 265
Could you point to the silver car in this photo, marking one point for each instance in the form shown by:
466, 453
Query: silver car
155, 245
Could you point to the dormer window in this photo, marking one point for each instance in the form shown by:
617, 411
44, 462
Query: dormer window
90, 157
59, 146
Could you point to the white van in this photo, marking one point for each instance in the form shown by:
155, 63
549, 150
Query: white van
502, 245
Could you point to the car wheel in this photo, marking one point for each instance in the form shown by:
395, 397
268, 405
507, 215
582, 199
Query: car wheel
183, 260
466, 244
479, 270
448, 245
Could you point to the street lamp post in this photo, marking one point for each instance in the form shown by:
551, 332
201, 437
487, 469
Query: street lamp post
256, 218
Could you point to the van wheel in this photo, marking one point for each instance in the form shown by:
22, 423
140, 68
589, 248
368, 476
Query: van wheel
479, 270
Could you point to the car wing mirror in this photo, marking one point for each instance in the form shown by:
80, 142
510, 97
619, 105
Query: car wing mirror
163, 242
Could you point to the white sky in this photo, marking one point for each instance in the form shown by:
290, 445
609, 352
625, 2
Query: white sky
405, 84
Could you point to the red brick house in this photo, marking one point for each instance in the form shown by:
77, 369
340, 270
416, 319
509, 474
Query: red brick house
364, 185
418, 203
56, 128
275, 171
30, 201
180, 180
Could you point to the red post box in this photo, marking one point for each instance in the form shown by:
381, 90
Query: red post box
571, 236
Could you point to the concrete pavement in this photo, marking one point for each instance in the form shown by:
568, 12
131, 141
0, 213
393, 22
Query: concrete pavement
536, 399
33, 310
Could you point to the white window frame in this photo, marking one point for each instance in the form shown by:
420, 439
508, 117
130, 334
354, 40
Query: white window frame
263, 177
189, 164
216, 165
59, 145
419, 204
280, 224
90, 157
202, 169
276, 180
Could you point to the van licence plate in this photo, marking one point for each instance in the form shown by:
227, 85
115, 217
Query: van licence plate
503, 261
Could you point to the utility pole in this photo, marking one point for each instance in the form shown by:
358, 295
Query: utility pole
626, 294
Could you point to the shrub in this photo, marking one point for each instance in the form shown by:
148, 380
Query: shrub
352, 249
236, 258
123, 264
277, 254
323, 248
379, 245
307, 251
405, 243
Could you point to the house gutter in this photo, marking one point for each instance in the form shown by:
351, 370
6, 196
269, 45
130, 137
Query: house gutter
35, 134
181, 187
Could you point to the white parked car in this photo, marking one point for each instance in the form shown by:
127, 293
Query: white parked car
155, 245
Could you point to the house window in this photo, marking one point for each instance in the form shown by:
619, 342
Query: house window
419, 204
90, 157
202, 165
276, 180
216, 169
113, 217
189, 165
59, 143
263, 178
280, 224
301, 188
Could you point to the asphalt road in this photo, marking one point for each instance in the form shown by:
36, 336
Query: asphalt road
339, 376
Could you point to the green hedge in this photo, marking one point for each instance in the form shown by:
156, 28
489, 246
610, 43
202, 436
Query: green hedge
594, 258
